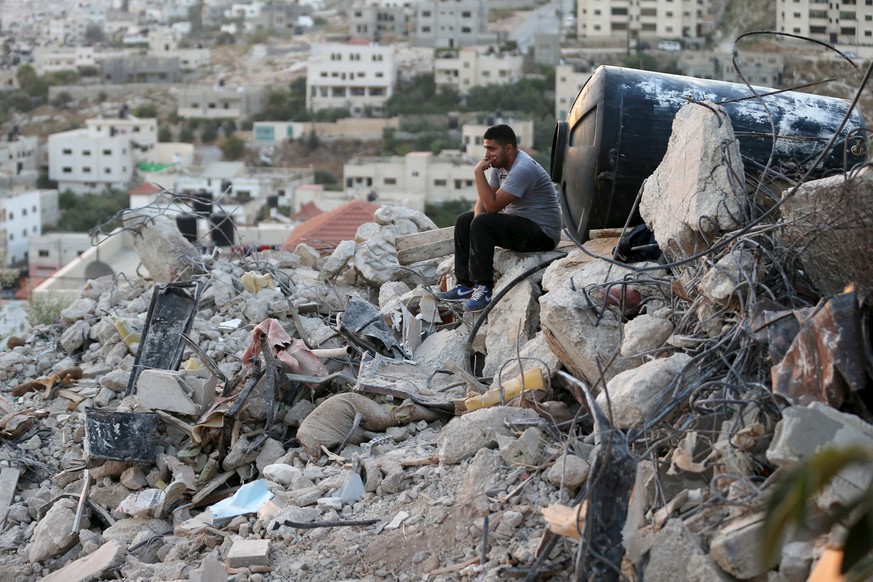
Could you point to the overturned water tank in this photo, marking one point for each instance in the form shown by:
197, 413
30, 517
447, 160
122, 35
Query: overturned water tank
617, 130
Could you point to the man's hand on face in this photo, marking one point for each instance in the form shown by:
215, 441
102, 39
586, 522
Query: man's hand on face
483, 164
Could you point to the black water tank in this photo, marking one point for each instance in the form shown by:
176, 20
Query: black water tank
222, 229
187, 225
617, 130
203, 202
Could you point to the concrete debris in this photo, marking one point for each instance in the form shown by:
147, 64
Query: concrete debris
693, 197
326, 417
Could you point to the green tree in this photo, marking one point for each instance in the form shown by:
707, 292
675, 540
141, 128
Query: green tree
233, 148
146, 110
94, 34
62, 100
81, 213
444, 214
186, 135
209, 132
420, 95
165, 134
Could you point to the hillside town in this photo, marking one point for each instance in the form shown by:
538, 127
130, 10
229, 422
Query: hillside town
233, 343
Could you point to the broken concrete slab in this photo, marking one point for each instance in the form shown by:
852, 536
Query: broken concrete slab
512, 322
337, 260
579, 339
569, 471
637, 394
54, 533
92, 567
247, 553
164, 252
736, 548
464, 435
676, 554
694, 196
731, 275
645, 333
804, 431
169, 390
445, 345
828, 223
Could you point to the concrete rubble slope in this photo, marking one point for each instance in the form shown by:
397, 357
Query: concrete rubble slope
300, 439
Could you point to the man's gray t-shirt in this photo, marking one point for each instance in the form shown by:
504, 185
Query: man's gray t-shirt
535, 194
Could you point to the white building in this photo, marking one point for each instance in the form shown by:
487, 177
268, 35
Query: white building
353, 76
451, 23
18, 155
413, 180
219, 102
85, 160
849, 23
471, 134
50, 252
19, 222
569, 80
476, 67
53, 59
627, 20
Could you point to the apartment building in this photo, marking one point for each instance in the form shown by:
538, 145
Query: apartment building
18, 154
141, 69
49, 252
19, 222
842, 22
9, 79
201, 101
380, 20
451, 23
85, 160
413, 180
471, 134
632, 20
762, 69
569, 79
53, 59
470, 67
356, 76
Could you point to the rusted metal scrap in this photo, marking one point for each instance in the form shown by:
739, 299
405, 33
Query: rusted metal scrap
826, 359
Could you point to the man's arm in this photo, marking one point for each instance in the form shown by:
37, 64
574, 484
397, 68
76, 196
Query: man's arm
491, 199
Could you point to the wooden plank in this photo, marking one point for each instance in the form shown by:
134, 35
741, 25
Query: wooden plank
430, 244
8, 483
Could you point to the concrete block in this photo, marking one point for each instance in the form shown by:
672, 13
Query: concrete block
737, 548
167, 390
245, 553
92, 566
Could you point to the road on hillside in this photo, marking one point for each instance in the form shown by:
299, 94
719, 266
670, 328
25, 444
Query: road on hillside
548, 17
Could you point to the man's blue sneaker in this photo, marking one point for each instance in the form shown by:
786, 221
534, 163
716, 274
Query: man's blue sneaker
456, 293
479, 299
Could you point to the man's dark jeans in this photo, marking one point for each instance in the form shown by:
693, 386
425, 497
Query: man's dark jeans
476, 237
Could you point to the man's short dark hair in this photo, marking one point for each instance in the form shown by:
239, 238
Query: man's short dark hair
502, 134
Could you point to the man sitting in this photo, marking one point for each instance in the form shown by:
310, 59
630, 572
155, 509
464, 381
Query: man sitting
517, 209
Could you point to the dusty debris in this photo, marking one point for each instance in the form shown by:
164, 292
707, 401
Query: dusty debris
641, 410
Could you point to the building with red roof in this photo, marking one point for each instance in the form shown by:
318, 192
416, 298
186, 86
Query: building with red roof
326, 230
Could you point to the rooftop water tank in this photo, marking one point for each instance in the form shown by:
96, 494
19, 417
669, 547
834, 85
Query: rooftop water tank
617, 130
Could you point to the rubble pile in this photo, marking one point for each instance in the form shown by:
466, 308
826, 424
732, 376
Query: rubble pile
288, 416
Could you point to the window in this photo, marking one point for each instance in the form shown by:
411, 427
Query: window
107, 152
24, 212
67, 170
43, 253
848, 31
815, 30
11, 216
847, 16
67, 151
425, 13
107, 170
390, 181
439, 183
86, 152
619, 11
822, 14
86, 170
